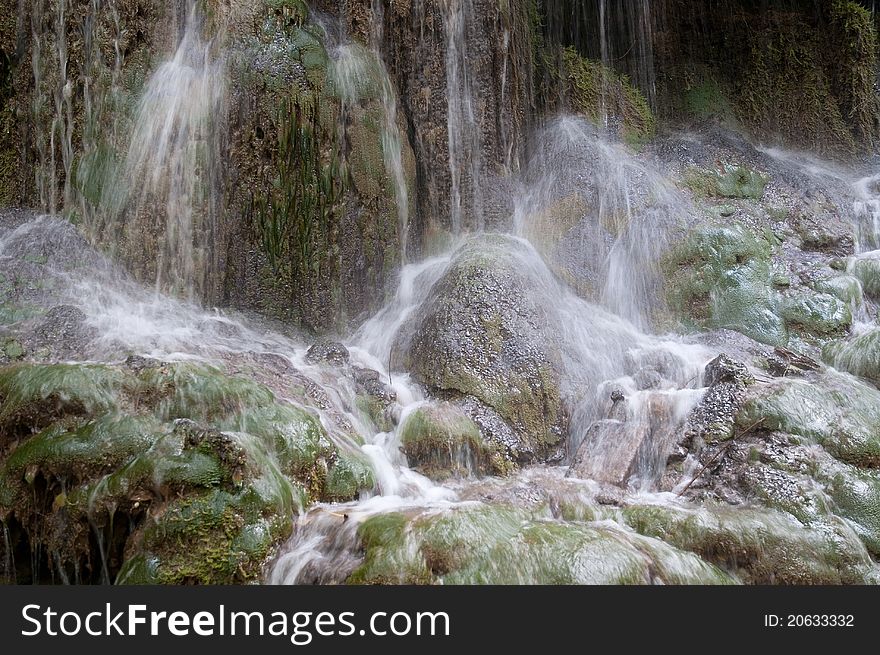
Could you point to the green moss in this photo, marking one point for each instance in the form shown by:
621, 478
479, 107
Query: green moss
214, 538
441, 441
835, 411
12, 348
856, 496
349, 475
820, 314
866, 269
708, 100
719, 277
845, 288
481, 544
36, 394
730, 181
198, 392
760, 546
859, 355
82, 451
590, 88
206, 500
389, 557
785, 90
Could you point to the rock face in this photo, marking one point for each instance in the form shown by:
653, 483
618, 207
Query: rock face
485, 333
426, 45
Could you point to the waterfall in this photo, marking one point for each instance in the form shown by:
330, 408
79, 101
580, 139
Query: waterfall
355, 69
465, 159
392, 138
170, 168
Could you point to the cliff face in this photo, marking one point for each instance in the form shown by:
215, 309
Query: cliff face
465, 73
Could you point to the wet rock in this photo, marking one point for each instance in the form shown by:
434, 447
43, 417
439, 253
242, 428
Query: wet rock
760, 546
815, 313
833, 410
825, 231
441, 441
866, 268
483, 544
625, 445
719, 277
859, 355
329, 352
712, 420
375, 398
727, 181
65, 332
484, 332
494, 429
200, 471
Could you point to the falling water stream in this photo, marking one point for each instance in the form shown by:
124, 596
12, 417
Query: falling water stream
169, 172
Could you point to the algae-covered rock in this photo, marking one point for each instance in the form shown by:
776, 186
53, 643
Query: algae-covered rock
440, 441
727, 181
759, 546
859, 355
596, 91
815, 313
484, 332
482, 544
186, 473
866, 269
845, 288
833, 410
719, 277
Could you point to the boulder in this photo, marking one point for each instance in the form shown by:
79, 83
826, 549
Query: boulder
486, 331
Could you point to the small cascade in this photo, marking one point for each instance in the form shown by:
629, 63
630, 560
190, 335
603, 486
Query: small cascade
392, 138
356, 70
867, 210
170, 171
599, 216
465, 159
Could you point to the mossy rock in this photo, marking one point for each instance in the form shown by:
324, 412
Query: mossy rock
759, 546
482, 544
203, 470
730, 181
34, 396
815, 313
720, 277
846, 288
483, 332
441, 441
589, 88
708, 99
856, 496
833, 410
212, 538
859, 355
866, 269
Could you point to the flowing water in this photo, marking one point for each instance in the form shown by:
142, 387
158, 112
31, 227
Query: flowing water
465, 151
589, 224
169, 183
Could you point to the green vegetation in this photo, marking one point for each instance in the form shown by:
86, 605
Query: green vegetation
204, 470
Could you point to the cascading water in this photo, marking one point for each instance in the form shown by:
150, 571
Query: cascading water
354, 71
590, 224
392, 139
465, 160
170, 169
